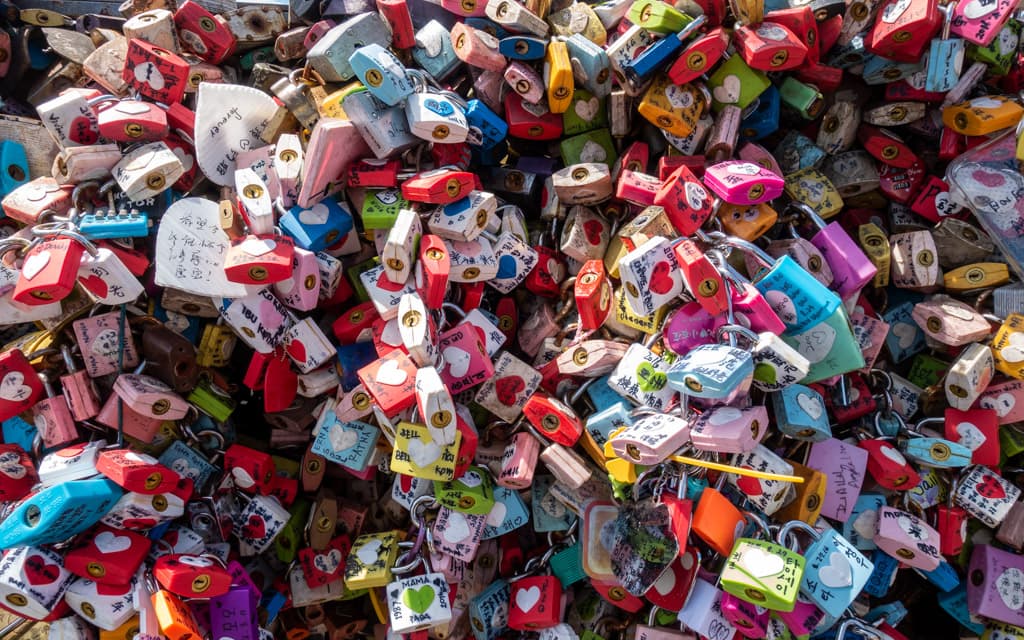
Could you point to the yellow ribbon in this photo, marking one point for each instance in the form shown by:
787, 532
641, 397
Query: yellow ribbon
727, 468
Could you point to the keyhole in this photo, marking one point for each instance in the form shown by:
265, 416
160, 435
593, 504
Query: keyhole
16, 172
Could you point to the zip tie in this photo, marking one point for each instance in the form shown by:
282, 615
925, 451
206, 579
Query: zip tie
752, 473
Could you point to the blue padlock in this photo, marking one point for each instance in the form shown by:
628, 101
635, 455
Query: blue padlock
188, 463
763, 119
879, 70
937, 452
352, 358
58, 512
859, 527
660, 53
712, 371
317, 227
835, 572
13, 166
905, 337
592, 68
486, 128
434, 52
601, 424
382, 73
954, 602
518, 47
944, 577
800, 413
105, 223
884, 573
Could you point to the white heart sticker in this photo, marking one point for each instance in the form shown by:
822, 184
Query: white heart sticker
110, 542
328, 562
423, 453
905, 334
242, 478
13, 389
391, 374
147, 73
970, 435
837, 574
342, 438
471, 479
258, 246
318, 214
587, 109
729, 91
457, 360
810, 405
893, 454
1008, 586
496, 516
760, 563
457, 528
666, 582
34, 264
526, 599
369, 552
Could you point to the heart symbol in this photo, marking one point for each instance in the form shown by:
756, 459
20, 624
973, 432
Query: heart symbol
12, 388
866, 524
666, 582
255, 528
387, 285
507, 389
419, 600
837, 573
438, 107
497, 514
810, 405
650, 379
317, 215
328, 562
970, 435
423, 453
905, 333
258, 246
105, 343
1001, 404
471, 479
587, 109
147, 73
38, 572
990, 488
661, 278
985, 102
749, 485
242, 478
760, 563
893, 454
782, 305
82, 131
1008, 585
506, 267
593, 230
1014, 349
724, 415
988, 178
34, 264
771, 32
593, 152
392, 334
183, 156
10, 465
526, 599
458, 361
391, 374
912, 527
95, 285
342, 439
369, 552
109, 542
296, 350
457, 528
729, 91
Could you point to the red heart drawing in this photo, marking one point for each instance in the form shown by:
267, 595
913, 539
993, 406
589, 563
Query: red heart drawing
508, 388
38, 572
749, 485
988, 178
82, 131
593, 229
297, 350
661, 281
387, 285
96, 285
255, 528
990, 488
405, 483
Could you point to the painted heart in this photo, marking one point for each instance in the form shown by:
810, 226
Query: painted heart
457, 528
186, 158
893, 454
147, 73
593, 152
587, 109
650, 379
661, 278
507, 389
905, 334
440, 107
557, 269
34, 264
328, 562
1008, 586
95, 285
593, 230
242, 478
392, 334
729, 91
496, 516
985, 102
771, 32
82, 131
866, 524
369, 552
471, 479
836, 574
458, 361
970, 435
387, 285
10, 466
527, 599
810, 405
317, 215
13, 389
1013, 351
391, 374
724, 415
419, 600
342, 438
666, 582
423, 453
258, 246
38, 572
1002, 404
760, 563
988, 178
106, 343
782, 305
296, 350
991, 488
110, 542
255, 528
749, 485
507, 267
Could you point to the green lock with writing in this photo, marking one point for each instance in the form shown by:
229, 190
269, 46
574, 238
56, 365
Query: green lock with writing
1000, 53
926, 370
734, 83
593, 146
801, 97
381, 207
586, 112
473, 493
763, 573
212, 400
658, 16
830, 346
353, 273
290, 540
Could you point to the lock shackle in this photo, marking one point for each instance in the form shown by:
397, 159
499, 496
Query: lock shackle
414, 560
732, 330
13, 244
103, 99
808, 212
859, 625
791, 528
68, 233
749, 247
877, 421
691, 27
654, 609
758, 521
728, 272
76, 192
642, 477
914, 431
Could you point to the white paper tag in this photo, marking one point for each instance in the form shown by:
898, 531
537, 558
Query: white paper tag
229, 119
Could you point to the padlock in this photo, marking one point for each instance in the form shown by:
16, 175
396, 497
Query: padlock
191, 576
110, 556
888, 466
835, 572
950, 322
535, 602
907, 538
763, 573
990, 590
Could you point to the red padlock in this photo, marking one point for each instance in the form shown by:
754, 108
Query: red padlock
192, 576
108, 555
50, 270
593, 294
251, 470
260, 259
155, 72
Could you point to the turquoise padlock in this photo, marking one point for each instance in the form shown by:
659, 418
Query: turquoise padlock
58, 512
835, 571
800, 413
830, 346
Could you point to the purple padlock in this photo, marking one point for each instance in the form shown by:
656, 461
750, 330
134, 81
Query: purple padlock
803, 619
851, 268
688, 327
844, 465
750, 620
233, 615
995, 584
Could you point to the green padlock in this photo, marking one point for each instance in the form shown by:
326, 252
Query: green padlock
586, 113
567, 565
288, 542
212, 400
657, 16
763, 573
1000, 53
473, 493
802, 98
734, 83
1011, 442
830, 346
926, 370
381, 208
353, 274
593, 146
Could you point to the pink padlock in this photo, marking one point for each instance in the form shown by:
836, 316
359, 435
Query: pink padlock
803, 619
744, 183
53, 418
136, 425
752, 311
907, 538
728, 429
750, 620
466, 364
1007, 399
519, 461
525, 81
689, 326
302, 290
994, 585
150, 397
851, 268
